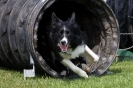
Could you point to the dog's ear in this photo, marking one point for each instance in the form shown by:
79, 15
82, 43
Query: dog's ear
72, 19
55, 19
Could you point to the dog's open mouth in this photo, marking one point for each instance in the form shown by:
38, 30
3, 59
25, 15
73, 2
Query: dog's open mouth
63, 47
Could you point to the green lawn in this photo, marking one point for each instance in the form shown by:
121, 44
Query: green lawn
122, 78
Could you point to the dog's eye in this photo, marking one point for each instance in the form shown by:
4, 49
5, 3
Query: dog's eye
61, 32
68, 33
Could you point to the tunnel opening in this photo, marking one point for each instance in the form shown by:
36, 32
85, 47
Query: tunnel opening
88, 22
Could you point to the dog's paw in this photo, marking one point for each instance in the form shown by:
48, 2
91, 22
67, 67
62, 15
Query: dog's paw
83, 74
96, 59
85, 67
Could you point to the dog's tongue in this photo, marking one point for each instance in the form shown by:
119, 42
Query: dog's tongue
63, 48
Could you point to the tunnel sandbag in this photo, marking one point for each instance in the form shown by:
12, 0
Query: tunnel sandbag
123, 10
24, 26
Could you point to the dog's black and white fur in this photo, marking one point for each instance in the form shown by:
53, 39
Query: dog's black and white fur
67, 42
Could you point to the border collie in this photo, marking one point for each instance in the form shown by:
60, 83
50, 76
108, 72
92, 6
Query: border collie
67, 42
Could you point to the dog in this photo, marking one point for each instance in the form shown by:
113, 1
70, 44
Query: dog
68, 42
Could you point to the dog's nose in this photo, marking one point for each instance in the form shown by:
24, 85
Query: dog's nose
63, 42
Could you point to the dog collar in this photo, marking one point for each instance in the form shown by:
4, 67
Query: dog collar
69, 53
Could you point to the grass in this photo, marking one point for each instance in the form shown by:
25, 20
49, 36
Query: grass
122, 78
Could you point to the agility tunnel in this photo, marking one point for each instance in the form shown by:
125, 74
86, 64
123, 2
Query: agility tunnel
24, 25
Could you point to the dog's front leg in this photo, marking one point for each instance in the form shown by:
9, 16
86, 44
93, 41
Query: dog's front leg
91, 53
77, 70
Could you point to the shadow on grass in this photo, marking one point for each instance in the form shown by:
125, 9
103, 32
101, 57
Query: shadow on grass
113, 71
9, 69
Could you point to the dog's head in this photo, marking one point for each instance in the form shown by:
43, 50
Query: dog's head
64, 32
